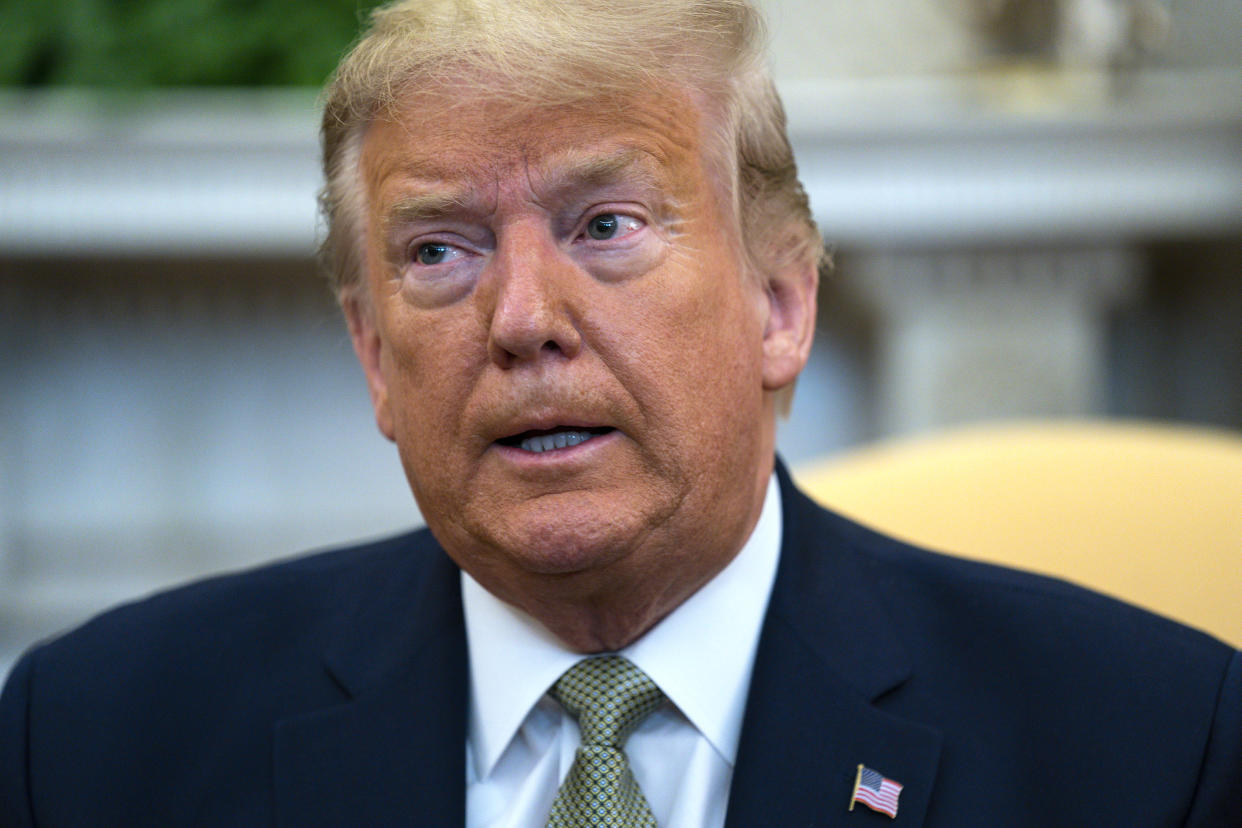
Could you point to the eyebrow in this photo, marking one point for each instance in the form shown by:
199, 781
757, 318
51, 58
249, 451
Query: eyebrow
424, 207
573, 169
569, 170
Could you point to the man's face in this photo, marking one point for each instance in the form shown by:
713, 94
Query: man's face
563, 344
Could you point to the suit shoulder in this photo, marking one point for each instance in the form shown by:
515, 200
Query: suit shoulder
208, 670
286, 600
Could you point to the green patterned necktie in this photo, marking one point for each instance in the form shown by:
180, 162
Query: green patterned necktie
609, 696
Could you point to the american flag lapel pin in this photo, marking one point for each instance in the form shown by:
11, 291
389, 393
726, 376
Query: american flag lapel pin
876, 791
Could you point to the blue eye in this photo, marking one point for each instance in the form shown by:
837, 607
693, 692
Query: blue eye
431, 253
603, 226
611, 226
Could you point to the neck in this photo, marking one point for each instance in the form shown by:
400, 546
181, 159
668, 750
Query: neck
598, 621
606, 610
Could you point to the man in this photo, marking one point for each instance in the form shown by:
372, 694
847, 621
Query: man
579, 274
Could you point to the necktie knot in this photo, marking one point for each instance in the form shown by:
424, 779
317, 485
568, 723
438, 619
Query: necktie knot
609, 696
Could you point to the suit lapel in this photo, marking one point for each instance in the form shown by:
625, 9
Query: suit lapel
827, 655
393, 753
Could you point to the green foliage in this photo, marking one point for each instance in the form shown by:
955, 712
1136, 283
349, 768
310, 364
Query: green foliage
140, 43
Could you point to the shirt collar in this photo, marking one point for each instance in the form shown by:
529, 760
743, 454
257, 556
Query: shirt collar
700, 655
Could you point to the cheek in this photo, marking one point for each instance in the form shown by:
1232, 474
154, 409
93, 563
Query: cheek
693, 339
428, 371
709, 300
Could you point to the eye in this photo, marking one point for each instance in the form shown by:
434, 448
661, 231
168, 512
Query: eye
603, 227
607, 226
434, 253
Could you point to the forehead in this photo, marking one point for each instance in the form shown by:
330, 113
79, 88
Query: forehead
450, 135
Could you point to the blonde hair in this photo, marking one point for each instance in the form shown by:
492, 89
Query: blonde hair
552, 52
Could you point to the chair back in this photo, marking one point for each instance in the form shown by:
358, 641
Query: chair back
1148, 513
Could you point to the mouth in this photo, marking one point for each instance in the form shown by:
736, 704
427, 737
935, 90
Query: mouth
553, 439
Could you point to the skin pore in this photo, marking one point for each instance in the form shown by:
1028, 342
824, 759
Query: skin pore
572, 274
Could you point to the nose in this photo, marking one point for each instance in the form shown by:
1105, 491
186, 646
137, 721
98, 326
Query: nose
532, 300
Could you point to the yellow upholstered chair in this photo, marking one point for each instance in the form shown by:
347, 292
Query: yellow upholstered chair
1148, 513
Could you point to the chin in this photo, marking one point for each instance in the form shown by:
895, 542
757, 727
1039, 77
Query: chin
553, 539
568, 550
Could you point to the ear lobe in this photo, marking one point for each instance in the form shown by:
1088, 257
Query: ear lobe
790, 328
369, 348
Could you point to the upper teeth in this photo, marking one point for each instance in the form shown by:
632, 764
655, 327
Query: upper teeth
559, 440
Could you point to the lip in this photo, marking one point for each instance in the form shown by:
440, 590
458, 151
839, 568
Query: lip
543, 421
545, 417
581, 453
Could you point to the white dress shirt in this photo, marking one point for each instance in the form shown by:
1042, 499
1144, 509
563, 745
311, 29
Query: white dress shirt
521, 742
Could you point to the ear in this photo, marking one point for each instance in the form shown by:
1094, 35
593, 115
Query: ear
369, 348
791, 292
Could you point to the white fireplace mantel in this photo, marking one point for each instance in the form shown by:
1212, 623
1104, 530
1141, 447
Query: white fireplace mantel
998, 159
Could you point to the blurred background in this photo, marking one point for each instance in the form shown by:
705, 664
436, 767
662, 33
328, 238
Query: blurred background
1035, 208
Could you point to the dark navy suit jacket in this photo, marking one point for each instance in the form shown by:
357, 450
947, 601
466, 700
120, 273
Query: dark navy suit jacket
332, 690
